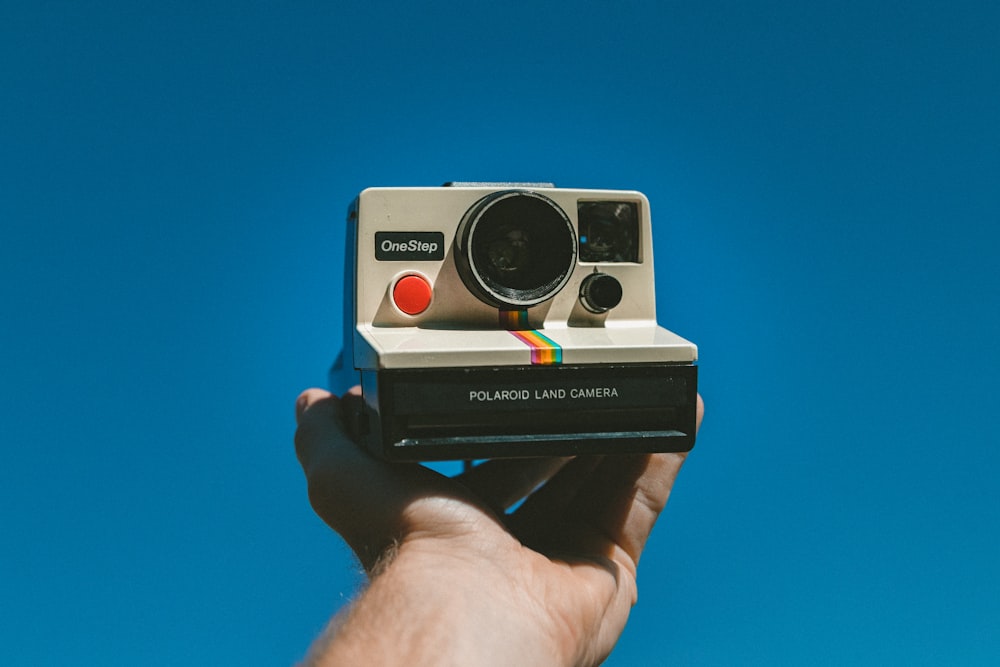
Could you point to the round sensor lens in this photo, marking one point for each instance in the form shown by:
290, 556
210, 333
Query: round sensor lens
515, 248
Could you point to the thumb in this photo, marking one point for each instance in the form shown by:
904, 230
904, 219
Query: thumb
359, 496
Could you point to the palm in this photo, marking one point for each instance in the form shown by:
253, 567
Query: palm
570, 548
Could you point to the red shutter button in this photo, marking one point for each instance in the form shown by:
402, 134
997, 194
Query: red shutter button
412, 294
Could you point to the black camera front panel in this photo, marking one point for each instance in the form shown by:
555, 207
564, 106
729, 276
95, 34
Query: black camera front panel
495, 412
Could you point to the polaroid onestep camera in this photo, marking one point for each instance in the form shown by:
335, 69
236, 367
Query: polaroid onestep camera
495, 320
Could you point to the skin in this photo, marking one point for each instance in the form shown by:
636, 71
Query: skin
458, 580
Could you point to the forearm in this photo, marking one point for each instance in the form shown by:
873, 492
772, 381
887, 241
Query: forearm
407, 617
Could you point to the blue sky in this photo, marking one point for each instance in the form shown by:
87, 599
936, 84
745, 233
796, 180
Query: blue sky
825, 189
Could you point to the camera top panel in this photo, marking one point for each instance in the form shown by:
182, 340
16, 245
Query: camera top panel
488, 248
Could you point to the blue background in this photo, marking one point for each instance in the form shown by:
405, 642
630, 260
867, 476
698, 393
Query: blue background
825, 184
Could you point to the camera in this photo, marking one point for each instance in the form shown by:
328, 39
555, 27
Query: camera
489, 320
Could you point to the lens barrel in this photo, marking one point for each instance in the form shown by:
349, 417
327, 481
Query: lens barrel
515, 248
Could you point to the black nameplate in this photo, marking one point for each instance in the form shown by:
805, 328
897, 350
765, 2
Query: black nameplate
550, 388
409, 246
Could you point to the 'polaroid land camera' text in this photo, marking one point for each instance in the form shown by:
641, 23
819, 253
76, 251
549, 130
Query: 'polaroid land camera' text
507, 320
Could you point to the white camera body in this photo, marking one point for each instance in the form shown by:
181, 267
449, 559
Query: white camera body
509, 320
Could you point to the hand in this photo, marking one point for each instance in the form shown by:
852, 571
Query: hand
455, 579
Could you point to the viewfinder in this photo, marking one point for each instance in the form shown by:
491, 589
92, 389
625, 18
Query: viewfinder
609, 231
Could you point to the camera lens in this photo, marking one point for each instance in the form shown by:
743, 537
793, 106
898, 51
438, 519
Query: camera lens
516, 248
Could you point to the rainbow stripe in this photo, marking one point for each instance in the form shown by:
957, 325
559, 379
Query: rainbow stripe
514, 320
544, 350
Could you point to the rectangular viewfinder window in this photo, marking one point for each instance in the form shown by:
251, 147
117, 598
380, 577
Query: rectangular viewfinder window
609, 231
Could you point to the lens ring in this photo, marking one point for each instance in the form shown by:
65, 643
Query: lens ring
515, 248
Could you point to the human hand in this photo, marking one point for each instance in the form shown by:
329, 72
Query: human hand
458, 580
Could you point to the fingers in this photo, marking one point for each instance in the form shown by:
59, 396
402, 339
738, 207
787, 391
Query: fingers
308, 445
597, 505
534, 519
502, 482
623, 498
612, 501
321, 433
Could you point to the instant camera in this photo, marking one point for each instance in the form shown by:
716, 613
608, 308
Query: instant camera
488, 320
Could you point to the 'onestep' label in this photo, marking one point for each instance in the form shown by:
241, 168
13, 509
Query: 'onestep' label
409, 246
